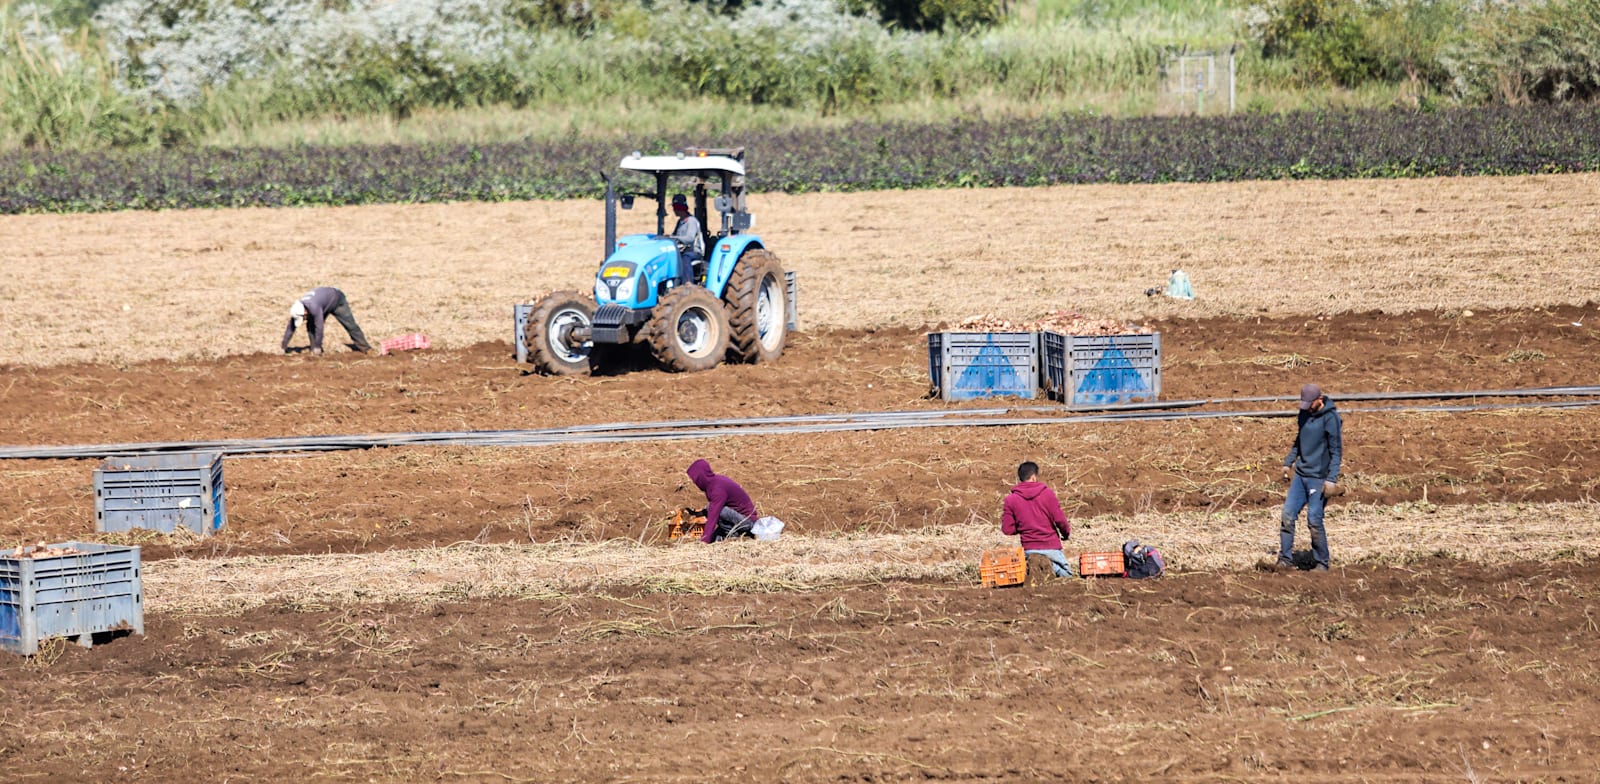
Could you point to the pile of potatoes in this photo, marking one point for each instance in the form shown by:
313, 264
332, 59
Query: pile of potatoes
1065, 322
41, 550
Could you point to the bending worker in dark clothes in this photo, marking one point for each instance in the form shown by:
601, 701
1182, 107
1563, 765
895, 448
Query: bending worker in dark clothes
730, 513
314, 308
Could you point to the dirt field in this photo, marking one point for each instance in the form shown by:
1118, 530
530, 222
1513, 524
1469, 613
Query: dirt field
510, 614
1442, 671
833, 482
138, 286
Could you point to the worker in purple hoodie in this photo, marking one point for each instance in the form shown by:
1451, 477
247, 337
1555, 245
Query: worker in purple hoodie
314, 308
730, 514
1032, 512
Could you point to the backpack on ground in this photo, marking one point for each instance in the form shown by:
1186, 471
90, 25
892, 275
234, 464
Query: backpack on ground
1141, 560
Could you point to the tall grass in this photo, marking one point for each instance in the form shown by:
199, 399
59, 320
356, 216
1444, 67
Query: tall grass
287, 71
748, 70
57, 92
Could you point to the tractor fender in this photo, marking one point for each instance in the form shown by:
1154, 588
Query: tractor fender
725, 253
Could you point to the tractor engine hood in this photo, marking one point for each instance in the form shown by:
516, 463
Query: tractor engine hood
630, 276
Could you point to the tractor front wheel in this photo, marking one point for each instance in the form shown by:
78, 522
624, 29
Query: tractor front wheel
689, 330
758, 301
551, 346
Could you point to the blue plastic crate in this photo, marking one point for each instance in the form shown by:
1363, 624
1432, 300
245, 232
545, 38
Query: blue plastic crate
519, 330
967, 365
160, 493
95, 590
1096, 370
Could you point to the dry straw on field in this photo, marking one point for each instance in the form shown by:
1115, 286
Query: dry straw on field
1489, 534
136, 286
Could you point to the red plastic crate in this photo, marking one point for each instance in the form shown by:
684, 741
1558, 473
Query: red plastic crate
404, 343
1100, 565
1000, 568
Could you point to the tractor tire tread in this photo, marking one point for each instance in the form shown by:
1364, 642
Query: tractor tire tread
661, 333
535, 334
744, 334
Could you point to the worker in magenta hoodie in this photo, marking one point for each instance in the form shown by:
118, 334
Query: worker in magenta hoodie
1033, 513
730, 514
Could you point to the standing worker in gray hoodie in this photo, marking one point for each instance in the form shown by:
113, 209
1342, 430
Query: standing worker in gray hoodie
314, 308
1312, 471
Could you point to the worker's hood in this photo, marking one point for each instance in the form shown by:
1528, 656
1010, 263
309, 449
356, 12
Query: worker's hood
1327, 408
1030, 490
700, 471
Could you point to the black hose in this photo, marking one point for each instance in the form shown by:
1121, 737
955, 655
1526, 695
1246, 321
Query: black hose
788, 425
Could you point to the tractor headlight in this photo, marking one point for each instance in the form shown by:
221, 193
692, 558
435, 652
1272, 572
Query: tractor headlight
624, 291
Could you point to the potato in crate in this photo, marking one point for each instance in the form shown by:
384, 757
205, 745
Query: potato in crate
686, 523
1003, 567
1100, 565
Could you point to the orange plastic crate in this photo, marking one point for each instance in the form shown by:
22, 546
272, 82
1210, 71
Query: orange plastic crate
681, 525
1000, 568
1100, 564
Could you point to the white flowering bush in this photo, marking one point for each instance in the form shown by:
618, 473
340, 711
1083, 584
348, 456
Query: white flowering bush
172, 52
787, 52
391, 55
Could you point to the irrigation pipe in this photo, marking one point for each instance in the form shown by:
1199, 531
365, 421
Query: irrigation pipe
799, 424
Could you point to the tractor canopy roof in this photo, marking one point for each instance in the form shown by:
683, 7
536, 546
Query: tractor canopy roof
700, 164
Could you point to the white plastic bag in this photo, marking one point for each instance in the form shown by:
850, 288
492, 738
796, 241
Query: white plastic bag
767, 528
1178, 286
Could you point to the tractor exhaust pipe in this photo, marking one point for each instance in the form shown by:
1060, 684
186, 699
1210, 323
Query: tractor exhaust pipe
611, 217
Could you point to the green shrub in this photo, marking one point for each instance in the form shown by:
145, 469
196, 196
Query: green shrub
1325, 38
933, 15
1352, 42
1546, 51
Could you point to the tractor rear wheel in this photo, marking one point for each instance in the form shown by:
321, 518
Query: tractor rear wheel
758, 308
549, 330
689, 329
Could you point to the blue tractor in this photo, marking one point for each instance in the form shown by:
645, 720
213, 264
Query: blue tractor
690, 313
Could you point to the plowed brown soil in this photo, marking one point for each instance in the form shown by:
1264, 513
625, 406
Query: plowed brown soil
1390, 668
1436, 673
822, 482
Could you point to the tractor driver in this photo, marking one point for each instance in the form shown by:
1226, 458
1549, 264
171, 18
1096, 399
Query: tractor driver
691, 240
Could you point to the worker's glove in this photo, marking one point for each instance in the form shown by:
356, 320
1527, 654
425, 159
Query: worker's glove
1332, 490
694, 512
